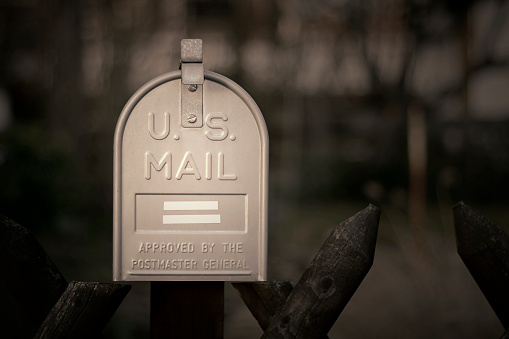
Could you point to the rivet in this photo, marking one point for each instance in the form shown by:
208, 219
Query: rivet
191, 118
192, 88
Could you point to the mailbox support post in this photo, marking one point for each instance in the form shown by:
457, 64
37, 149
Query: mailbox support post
186, 309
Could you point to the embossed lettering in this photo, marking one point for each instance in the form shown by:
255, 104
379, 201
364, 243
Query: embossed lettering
217, 126
225, 264
152, 126
187, 166
164, 264
166, 247
233, 247
220, 169
208, 165
207, 247
150, 161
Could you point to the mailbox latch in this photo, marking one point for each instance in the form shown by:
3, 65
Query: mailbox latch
191, 102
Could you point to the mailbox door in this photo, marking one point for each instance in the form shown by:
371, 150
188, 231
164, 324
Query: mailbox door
190, 203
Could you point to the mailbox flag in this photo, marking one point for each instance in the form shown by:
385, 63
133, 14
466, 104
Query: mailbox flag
191, 218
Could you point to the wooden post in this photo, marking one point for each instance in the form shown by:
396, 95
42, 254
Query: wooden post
332, 278
186, 309
484, 248
83, 310
29, 274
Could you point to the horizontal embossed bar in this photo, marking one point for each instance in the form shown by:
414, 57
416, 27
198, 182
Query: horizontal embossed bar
191, 205
192, 219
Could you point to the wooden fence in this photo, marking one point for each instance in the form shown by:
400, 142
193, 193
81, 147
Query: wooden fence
484, 248
311, 308
54, 309
51, 307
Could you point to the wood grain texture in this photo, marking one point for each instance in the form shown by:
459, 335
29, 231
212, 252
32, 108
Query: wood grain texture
264, 299
484, 248
28, 273
83, 310
332, 278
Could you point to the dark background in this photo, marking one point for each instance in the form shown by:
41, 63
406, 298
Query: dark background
402, 103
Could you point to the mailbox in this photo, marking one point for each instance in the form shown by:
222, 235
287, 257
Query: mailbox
190, 179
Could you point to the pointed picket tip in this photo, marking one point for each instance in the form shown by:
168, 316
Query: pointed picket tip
474, 231
361, 229
466, 233
32, 279
484, 248
353, 237
333, 276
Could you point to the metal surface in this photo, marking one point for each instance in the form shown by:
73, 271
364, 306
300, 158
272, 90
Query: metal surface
191, 105
191, 58
190, 203
192, 73
191, 50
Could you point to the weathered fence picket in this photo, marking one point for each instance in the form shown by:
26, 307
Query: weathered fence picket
264, 299
330, 281
83, 310
28, 273
51, 307
312, 307
484, 248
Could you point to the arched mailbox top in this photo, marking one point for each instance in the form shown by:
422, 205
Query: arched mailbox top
220, 79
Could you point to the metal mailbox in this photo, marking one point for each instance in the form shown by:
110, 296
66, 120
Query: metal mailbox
190, 179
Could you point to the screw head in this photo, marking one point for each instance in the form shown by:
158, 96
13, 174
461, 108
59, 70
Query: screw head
192, 88
191, 118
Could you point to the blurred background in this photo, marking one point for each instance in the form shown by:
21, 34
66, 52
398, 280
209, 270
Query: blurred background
401, 103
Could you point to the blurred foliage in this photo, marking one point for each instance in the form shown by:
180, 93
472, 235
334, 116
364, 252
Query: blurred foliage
35, 171
333, 78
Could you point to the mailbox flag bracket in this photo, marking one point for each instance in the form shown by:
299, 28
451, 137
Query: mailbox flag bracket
191, 100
